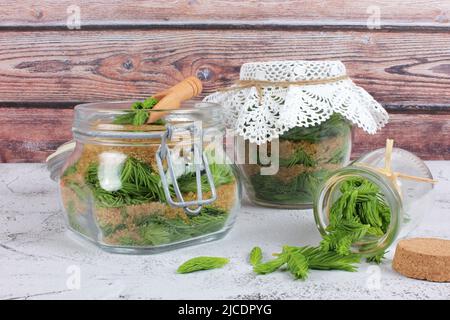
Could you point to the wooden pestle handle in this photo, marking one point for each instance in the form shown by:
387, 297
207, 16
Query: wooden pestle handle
172, 97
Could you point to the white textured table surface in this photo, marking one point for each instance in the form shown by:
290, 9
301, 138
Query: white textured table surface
38, 258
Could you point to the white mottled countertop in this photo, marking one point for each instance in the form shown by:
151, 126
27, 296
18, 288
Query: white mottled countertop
39, 260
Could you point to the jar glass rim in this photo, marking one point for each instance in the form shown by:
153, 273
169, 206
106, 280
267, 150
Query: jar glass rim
97, 119
121, 106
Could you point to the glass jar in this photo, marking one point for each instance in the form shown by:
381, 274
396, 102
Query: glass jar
149, 188
305, 156
405, 189
293, 121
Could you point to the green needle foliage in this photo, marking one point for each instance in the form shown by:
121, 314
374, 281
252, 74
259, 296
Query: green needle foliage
139, 113
378, 259
70, 170
156, 229
299, 260
299, 157
270, 266
72, 217
255, 256
77, 189
221, 173
320, 260
359, 211
139, 185
300, 189
334, 126
154, 234
297, 264
202, 263
338, 156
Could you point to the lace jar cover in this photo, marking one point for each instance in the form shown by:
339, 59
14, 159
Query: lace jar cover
281, 95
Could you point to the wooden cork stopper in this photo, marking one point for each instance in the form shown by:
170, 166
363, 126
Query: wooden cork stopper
423, 258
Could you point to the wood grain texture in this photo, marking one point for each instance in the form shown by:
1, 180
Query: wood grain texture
54, 13
398, 68
426, 135
31, 134
130, 49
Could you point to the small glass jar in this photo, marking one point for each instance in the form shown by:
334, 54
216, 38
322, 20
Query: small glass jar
149, 188
305, 156
408, 196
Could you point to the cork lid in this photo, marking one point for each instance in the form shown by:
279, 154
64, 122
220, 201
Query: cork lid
427, 246
423, 258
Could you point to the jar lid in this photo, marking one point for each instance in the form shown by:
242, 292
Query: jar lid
272, 97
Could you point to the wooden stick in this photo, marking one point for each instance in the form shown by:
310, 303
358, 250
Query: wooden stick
172, 97
388, 154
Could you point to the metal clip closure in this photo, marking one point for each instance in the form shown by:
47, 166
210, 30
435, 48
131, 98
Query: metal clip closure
200, 163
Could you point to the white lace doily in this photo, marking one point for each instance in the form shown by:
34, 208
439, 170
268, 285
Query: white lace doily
261, 119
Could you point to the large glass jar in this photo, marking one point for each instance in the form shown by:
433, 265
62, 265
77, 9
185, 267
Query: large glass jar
404, 188
305, 156
293, 121
136, 189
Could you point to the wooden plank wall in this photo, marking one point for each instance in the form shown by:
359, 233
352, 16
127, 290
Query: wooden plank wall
129, 49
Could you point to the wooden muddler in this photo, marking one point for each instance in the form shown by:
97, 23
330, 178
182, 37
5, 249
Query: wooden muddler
173, 97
